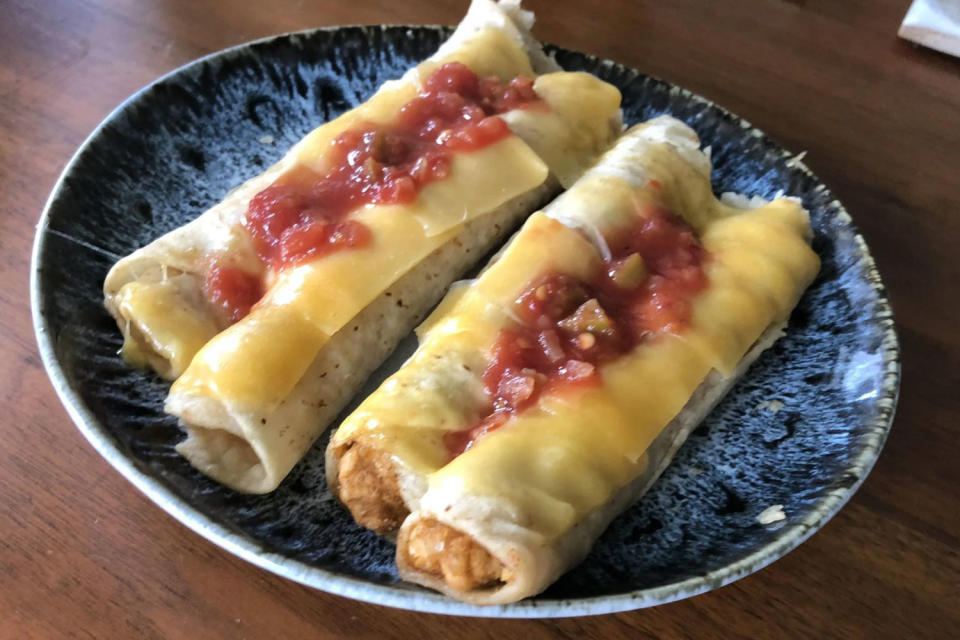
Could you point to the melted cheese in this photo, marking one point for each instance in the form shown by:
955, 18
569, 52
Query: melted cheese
566, 140
578, 123
592, 441
311, 302
481, 181
489, 52
168, 322
255, 362
335, 288
439, 389
754, 282
566, 136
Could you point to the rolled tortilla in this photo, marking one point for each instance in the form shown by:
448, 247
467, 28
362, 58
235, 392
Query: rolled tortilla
380, 457
255, 394
504, 519
156, 293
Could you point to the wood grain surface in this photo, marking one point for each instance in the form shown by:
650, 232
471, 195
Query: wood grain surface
83, 554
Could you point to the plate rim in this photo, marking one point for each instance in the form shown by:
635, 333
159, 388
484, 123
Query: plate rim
413, 598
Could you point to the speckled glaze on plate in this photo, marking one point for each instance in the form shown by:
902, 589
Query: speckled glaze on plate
801, 430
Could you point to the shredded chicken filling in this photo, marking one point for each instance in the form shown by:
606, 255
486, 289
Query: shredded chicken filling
368, 487
441, 551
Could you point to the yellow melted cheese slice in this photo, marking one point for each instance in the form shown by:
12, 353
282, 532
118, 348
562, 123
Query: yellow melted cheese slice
566, 140
591, 442
168, 322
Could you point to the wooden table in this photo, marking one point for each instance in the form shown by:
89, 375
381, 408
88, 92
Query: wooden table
83, 554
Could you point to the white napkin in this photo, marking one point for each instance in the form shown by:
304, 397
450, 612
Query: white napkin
934, 24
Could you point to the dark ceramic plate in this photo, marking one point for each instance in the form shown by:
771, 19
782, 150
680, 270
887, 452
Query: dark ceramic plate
801, 430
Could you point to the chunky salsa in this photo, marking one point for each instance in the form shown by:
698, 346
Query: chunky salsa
303, 214
566, 327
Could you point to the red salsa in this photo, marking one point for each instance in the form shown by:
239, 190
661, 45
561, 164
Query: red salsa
232, 292
567, 327
303, 214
